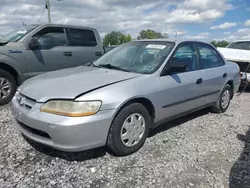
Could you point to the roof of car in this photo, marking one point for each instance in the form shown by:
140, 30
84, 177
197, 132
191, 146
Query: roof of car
62, 25
241, 41
169, 40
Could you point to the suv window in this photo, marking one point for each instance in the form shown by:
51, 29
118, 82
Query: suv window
81, 37
186, 53
240, 45
51, 37
209, 58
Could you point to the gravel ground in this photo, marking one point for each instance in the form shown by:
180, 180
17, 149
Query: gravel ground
200, 150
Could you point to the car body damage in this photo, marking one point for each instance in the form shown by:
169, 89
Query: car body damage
239, 56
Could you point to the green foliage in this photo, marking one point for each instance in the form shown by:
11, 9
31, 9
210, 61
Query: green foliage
151, 34
116, 38
222, 43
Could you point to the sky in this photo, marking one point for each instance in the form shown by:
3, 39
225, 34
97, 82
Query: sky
191, 19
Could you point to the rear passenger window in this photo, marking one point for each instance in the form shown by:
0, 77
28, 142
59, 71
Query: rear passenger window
81, 37
186, 53
209, 58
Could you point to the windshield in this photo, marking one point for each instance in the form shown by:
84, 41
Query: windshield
18, 34
139, 57
240, 45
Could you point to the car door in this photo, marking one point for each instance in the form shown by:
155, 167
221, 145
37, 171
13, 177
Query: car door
83, 45
52, 54
181, 92
214, 72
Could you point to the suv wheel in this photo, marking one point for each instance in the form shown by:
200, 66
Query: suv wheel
223, 102
129, 130
7, 87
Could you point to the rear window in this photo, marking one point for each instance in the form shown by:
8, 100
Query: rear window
81, 37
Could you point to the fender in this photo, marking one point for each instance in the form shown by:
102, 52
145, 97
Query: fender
11, 62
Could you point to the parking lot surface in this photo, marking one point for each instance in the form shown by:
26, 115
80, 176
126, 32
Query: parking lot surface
199, 150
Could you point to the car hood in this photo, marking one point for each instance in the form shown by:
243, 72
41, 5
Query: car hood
235, 54
2, 43
70, 83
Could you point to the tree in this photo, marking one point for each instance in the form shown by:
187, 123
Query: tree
151, 34
129, 38
222, 43
116, 38
165, 35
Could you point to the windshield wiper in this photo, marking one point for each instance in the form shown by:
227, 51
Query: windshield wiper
91, 64
109, 66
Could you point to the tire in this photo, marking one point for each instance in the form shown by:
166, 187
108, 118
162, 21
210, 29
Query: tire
6, 76
219, 107
115, 142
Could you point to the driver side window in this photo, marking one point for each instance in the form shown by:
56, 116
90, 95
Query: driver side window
51, 37
186, 53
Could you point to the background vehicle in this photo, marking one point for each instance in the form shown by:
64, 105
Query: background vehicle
108, 48
239, 52
135, 87
36, 49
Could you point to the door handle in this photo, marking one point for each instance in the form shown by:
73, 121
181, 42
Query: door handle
68, 54
224, 75
98, 53
199, 81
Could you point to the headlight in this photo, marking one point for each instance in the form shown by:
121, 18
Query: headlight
71, 108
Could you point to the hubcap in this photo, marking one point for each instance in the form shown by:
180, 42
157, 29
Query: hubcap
4, 88
133, 130
225, 99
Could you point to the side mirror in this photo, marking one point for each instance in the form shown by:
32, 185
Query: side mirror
175, 67
33, 44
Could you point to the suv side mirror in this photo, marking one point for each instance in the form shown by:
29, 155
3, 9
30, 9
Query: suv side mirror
175, 67
33, 44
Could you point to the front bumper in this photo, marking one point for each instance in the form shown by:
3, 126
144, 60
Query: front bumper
60, 132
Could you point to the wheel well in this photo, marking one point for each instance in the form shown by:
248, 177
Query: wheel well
145, 102
230, 82
9, 69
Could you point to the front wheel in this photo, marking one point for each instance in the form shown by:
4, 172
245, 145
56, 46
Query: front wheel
129, 130
223, 102
7, 87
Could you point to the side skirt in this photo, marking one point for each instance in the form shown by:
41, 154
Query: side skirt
156, 124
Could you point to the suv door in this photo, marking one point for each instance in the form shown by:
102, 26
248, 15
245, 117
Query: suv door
83, 45
181, 92
214, 73
52, 53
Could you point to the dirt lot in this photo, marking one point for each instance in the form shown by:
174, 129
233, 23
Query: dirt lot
200, 150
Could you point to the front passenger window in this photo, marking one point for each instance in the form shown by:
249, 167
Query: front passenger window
186, 54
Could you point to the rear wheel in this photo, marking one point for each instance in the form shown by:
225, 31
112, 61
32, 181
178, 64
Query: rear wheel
7, 87
223, 102
129, 130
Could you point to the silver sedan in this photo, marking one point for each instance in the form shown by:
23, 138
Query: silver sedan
117, 99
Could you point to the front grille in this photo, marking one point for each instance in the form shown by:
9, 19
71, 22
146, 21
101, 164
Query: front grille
34, 131
243, 66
